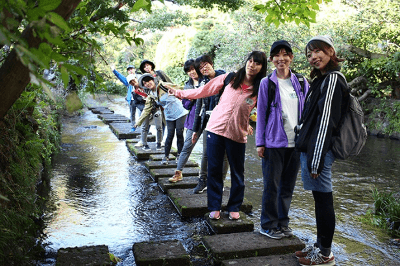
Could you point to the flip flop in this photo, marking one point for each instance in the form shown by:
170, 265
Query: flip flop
234, 215
214, 215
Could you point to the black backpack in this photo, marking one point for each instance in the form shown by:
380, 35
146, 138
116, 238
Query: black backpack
272, 89
227, 80
352, 131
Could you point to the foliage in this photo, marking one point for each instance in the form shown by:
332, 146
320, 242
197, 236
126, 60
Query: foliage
282, 12
162, 19
223, 5
387, 212
386, 117
30, 136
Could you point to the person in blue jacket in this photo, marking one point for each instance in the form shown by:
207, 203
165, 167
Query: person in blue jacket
134, 100
275, 139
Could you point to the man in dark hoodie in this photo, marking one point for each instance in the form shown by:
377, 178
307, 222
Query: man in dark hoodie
204, 108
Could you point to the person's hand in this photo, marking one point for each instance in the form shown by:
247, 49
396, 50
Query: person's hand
250, 130
112, 66
314, 176
134, 82
260, 151
171, 91
194, 137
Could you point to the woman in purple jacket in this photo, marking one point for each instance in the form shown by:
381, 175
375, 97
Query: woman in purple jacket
275, 139
192, 83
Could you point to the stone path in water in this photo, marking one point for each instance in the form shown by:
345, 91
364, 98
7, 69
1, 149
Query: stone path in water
234, 242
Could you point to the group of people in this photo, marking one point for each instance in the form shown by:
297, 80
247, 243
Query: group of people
296, 124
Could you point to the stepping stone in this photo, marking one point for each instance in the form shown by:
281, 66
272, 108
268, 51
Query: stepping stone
150, 138
86, 255
140, 154
123, 130
102, 110
274, 260
187, 182
189, 204
171, 164
113, 118
160, 253
168, 172
249, 244
226, 226
159, 157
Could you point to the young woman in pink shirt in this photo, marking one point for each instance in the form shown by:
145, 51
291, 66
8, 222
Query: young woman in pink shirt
228, 128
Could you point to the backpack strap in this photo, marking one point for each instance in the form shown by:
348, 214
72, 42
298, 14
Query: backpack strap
159, 73
227, 80
300, 78
271, 96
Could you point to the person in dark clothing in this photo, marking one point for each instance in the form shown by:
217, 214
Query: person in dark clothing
326, 103
146, 66
203, 111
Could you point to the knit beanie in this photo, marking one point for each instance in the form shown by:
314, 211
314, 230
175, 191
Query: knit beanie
323, 38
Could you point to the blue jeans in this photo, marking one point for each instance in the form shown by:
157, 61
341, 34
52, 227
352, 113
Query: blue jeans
323, 183
217, 147
280, 167
132, 108
172, 126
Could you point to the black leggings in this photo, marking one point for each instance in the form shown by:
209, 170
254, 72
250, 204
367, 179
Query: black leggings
172, 126
325, 218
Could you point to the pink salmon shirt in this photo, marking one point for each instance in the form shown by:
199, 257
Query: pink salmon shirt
230, 118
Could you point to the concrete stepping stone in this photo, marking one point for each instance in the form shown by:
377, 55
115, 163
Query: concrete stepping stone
101, 110
189, 204
140, 154
150, 138
187, 182
226, 226
274, 260
123, 130
86, 255
168, 172
249, 244
160, 253
113, 118
171, 164
159, 157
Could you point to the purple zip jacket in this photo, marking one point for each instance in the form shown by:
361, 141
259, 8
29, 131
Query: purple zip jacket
272, 134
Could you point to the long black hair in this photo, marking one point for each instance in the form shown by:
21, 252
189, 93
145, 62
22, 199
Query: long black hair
188, 65
333, 64
259, 57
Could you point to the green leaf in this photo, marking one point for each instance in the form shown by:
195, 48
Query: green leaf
141, 4
49, 5
64, 76
58, 20
76, 69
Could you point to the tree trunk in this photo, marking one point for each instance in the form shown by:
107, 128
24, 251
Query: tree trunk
14, 76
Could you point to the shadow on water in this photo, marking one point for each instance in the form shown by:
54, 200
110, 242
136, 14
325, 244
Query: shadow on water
100, 195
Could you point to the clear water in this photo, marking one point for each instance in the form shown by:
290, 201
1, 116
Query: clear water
100, 195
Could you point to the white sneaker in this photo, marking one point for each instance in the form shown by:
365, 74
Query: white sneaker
163, 143
139, 144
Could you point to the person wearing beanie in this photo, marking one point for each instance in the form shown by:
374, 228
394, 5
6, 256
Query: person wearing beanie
175, 114
134, 100
326, 103
275, 139
146, 66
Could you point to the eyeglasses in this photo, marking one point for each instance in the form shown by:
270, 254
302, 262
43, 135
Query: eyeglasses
204, 65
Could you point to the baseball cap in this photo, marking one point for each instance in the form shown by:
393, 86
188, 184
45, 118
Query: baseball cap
280, 43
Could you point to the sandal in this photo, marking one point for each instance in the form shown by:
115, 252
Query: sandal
234, 215
214, 215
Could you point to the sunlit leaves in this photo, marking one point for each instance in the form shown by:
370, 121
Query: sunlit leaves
299, 11
58, 21
145, 4
48, 5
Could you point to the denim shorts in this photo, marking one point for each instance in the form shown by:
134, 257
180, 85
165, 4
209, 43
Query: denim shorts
323, 183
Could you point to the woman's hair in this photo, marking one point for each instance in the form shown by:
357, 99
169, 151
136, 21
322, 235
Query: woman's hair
258, 57
189, 64
278, 49
323, 46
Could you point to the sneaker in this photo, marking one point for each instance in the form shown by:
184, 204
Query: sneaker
201, 186
162, 143
234, 216
304, 252
146, 148
133, 129
165, 160
159, 148
287, 231
139, 144
272, 233
316, 258
214, 215
177, 157
177, 177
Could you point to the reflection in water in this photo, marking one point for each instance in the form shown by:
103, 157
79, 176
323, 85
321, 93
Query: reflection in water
101, 195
